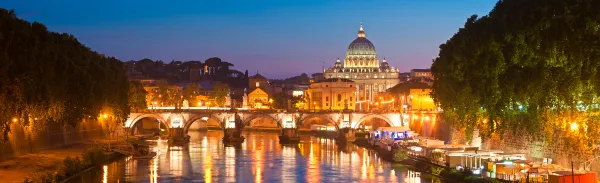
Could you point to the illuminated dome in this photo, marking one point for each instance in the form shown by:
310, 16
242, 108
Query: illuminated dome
361, 52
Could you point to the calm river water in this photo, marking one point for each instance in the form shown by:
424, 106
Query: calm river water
259, 159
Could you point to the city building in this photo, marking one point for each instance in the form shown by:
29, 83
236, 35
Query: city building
259, 81
259, 99
362, 66
332, 94
411, 96
421, 75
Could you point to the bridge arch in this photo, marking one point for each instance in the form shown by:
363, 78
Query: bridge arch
371, 116
320, 116
132, 122
252, 117
193, 119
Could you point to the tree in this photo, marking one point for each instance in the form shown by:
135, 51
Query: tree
527, 66
280, 101
190, 92
219, 93
49, 77
137, 96
297, 100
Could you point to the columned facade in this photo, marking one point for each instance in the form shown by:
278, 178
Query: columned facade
362, 66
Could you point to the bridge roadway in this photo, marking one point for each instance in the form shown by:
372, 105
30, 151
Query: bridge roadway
184, 118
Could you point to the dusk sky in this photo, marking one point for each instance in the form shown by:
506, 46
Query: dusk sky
278, 38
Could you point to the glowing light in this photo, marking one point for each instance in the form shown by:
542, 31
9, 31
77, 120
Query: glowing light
105, 115
15, 120
176, 123
426, 118
105, 174
574, 126
416, 117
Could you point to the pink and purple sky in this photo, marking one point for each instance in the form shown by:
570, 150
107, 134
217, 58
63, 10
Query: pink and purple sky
279, 38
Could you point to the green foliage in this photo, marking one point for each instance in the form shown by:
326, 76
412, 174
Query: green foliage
94, 156
167, 95
400, 154
71, 166
137, 96
436, 170
220, 91
525, 64
51, 77
190, 92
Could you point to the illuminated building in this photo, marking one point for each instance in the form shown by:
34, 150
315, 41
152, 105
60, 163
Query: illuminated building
332, 94
362, 66
258, 98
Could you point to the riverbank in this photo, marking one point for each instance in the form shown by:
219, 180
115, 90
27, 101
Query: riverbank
21, 167
423, 166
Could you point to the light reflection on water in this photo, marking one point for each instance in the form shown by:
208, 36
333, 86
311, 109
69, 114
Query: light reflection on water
260, 159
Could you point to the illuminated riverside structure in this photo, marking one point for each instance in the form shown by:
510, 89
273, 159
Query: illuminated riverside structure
179, 122
362, 66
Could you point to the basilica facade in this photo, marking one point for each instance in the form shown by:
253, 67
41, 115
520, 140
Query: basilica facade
362, 66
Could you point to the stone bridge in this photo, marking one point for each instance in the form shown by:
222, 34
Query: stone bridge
283, 119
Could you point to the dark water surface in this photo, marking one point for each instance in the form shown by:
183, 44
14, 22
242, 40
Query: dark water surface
260, 159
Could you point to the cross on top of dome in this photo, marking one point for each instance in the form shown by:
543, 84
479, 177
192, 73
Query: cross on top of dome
361, 31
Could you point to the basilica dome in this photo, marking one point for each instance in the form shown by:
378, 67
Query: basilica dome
361, 46
361, 53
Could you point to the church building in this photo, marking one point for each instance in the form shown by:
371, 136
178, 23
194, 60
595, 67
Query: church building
362, 66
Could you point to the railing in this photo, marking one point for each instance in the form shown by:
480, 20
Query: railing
587, 165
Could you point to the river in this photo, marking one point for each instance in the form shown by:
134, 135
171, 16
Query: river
259, 159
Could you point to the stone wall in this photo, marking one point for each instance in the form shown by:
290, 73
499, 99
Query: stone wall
30, 139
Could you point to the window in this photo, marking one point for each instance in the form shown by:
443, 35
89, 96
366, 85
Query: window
257, 84
326, 98
339, 97
326, 104
350, 99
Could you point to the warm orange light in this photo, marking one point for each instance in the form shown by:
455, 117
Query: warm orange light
426, 118
199, 103
105, 115
574, 126
416, 117
15, 120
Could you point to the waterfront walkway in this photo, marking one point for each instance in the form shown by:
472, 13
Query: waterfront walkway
21, 167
